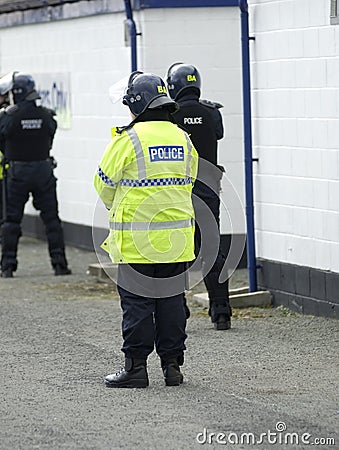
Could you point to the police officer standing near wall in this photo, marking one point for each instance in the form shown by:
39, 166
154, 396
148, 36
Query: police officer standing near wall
145, 179
26, 136
203, 121
1, 187
3, 105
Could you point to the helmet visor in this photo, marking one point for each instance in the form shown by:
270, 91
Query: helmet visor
118, 89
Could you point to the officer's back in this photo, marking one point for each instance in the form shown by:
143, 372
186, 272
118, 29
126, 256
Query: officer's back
200, 119
29, 131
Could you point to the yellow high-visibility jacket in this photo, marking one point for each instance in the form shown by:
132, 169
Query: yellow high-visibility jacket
145, 179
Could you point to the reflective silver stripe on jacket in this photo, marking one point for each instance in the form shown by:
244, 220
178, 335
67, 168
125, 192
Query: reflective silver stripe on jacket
138, 152
189, 155
145, 226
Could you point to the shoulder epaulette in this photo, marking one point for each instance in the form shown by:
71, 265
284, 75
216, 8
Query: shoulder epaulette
11, 109
119, 130
211, 104
49, 110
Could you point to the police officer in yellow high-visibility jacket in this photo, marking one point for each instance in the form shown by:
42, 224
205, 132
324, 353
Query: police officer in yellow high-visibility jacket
145, 179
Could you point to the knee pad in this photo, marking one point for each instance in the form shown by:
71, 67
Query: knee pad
11, 229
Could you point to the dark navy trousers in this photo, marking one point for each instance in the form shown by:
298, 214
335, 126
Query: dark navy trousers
23, 179
207, 247
152, 302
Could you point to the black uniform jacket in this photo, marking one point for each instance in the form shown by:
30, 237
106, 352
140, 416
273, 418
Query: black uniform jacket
26, 132
203, 122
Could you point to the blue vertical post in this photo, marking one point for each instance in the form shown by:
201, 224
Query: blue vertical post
246, 81
133, 34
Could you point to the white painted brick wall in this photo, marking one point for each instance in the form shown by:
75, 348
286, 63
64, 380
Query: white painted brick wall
295, 66
92, 50
210, 39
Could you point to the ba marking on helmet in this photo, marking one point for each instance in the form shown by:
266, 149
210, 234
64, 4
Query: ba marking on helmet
191, 78
162, 89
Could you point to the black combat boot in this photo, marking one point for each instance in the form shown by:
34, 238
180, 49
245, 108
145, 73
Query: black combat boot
223, 322
61, 270
59, 263
134, 375
7, 273
220, 312
171, 371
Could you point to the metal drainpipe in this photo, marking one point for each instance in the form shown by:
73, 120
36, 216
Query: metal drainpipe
133, 34
247, 117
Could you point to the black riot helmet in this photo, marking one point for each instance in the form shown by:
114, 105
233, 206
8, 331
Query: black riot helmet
147, 91
182, 76
20, 86
24, 87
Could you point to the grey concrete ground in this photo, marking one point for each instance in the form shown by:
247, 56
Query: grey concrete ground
271, 379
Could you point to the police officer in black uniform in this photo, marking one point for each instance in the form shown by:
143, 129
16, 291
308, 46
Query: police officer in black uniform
26, 136
3, 105
203, 121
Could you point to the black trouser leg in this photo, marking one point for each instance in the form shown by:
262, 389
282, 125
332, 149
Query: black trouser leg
137, 324
207, 243
170, 319
218, 292
16, 198
170, 325
45, 200
11, 233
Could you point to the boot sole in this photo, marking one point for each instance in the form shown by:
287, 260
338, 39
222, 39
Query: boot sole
174, 381
130, 384
222, 326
